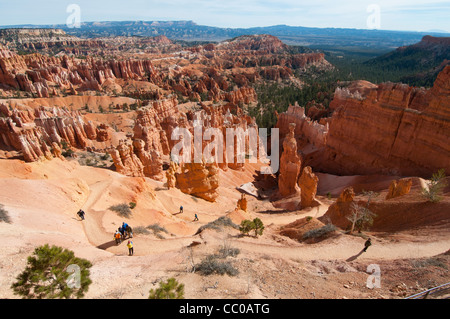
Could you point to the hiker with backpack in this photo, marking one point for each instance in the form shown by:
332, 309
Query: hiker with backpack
130, 248
118, 237
129, 231
81, 214
122, 232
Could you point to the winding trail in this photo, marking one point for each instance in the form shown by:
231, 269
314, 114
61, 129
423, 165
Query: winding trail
99, 237
341, 248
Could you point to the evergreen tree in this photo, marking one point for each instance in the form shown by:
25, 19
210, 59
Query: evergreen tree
169, 289
249, 225
246, 226
53, 272
436, 185
258, 226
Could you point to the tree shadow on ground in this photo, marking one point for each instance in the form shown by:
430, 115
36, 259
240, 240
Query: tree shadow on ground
271, 211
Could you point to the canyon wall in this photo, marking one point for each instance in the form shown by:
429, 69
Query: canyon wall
306, 130
390, 129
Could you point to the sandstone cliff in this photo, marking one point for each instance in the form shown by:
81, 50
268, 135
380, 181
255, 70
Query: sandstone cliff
306, 130
389, 129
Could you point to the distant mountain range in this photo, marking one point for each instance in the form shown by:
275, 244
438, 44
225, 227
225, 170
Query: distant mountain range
410, 57
292, 35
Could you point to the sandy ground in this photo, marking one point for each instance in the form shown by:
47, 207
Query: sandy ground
42, 199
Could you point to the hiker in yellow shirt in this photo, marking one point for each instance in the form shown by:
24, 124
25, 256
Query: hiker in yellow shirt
130, 248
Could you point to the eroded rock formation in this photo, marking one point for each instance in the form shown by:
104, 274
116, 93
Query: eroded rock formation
34, 131
290, 165
125, 161
242, 203
308, 185
199, 179
151, 160
170, 175
399, 187
338, 212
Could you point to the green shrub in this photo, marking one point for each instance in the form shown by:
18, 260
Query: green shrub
157, 230
169, 289
132, 205
122, 210
436, 185
140, 230
66, 150
218, 224
433, 261
226, 250
4, 217
319, 232
211, 265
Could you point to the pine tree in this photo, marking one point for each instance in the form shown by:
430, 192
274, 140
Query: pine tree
246, 226
436, 185
249, 225
170, 289
53, 272
258, 226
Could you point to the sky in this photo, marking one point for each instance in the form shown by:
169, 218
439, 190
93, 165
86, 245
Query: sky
402, 15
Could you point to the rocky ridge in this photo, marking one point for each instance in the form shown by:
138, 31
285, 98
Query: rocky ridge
389, 129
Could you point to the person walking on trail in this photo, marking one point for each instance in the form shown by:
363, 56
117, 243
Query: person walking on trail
81, 214
129, 231
181, 209
367, 244
118, 237
195, 218
124, 229
130, 248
